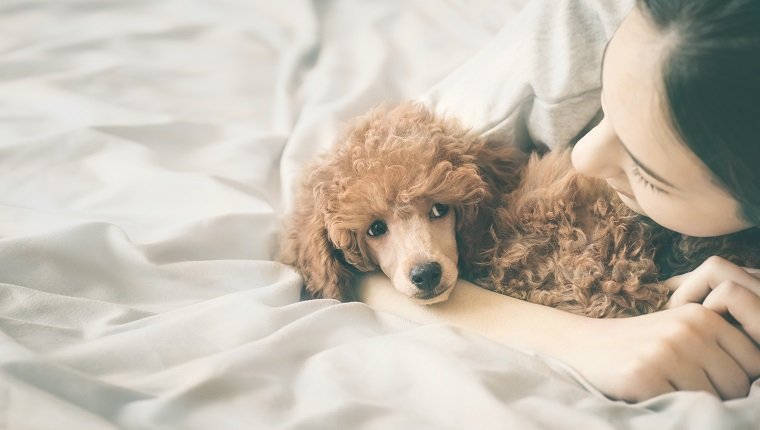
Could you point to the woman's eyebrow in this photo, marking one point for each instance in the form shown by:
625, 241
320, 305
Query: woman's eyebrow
645, 168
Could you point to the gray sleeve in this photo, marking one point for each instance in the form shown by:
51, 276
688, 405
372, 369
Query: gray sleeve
538, 80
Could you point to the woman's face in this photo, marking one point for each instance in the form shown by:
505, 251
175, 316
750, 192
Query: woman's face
636, 150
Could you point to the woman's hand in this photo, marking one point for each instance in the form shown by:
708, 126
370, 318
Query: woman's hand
722, 287
688, 347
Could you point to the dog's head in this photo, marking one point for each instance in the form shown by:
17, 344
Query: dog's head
401, 191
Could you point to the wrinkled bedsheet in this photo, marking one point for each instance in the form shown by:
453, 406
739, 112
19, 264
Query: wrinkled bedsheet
148, 150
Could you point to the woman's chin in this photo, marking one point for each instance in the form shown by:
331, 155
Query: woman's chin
632, 204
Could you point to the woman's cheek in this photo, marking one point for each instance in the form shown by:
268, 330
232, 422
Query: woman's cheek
665, 212
651, 204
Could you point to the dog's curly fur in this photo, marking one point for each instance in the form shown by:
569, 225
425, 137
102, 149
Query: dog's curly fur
527, 226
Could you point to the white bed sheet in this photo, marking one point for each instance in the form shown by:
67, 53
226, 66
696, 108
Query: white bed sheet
147, 153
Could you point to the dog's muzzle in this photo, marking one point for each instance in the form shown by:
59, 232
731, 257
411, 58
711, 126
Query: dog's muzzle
426, 276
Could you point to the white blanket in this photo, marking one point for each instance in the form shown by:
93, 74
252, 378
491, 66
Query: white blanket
147, 153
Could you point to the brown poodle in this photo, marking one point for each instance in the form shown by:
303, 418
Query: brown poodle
426, 202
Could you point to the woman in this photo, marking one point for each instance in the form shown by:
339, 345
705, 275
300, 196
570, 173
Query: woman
679, 141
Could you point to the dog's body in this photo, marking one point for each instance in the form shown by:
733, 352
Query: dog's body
526, 226
568, 241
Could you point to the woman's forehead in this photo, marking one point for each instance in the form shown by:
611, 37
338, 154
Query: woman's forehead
631, 74
634, 104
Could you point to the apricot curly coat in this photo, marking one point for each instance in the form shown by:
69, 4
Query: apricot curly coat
526, 226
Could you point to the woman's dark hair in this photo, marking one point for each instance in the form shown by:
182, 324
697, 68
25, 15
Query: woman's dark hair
711, 78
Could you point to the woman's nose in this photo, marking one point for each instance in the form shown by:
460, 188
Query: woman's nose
598, 153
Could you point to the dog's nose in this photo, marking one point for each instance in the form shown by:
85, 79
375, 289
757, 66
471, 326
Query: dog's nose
426, 276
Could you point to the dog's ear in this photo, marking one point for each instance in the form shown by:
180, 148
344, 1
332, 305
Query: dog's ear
306, 245
500, 164
499, 167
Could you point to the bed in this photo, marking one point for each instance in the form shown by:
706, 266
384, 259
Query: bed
148, 151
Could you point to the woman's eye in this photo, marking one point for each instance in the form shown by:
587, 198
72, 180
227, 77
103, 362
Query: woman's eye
439, 210
378, 228
643, 180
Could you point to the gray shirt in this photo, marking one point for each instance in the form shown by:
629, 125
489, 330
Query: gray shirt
538, 80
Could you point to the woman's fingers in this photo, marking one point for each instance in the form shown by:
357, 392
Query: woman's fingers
675, 282
701, 363
741, 303
693, 287
714, 356
742, 351
726, 289
753, 272
697, 381
692, 378
733, 341
726, 374
686, 348
739, 347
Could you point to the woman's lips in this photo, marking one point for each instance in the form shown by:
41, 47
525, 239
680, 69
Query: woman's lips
617, 190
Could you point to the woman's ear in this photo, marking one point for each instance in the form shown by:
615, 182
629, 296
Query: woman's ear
306, 245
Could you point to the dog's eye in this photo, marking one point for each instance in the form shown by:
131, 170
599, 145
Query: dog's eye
439, 210
378, 228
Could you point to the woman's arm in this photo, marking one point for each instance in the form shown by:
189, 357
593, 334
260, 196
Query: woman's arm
685, 348
500, 318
